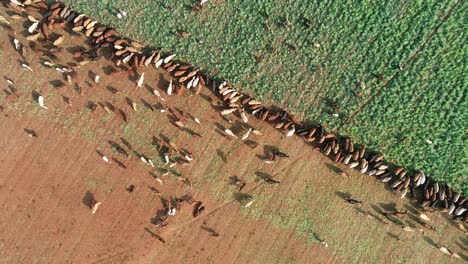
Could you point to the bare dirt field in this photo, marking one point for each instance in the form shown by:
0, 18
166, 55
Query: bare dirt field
44, 180
44, 219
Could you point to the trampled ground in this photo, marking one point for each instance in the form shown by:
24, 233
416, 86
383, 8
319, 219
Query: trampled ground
45, 179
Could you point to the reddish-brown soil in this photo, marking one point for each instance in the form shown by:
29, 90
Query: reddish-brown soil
44, 180
44, 220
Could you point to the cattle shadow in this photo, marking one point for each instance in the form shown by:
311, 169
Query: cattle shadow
262, 175
265, 177
184, 129
175, 173
131, 73
180, 113
91, 105
221, 155
377, 209
126, 143
316, 237
92, 75
119, 163
410, 224
21, 47
130, 188
149, 89
108, 70
164, 138
124, 115
220, 130
464, 249
102, 105
147, 105
7, 79
110, 106
343, 195
74, 49
159, 106
219, 126
154, 141
238, 127
250, 143
154, 235
359, 210
267, 152
461, 246
161, 214
117, 148
129, 102
165, 203
411, 209
368, 213
463, 256
413, 217
430, 241
30, 132
163, 83
242, 198
233, 180
77, 88
464, 241
112, 89
12, 90
388, 206
35, 95
66, 99
396, 237
88, 200
7, 92
5, 26
153, 189
333, 168
210, 230
217, 106
71, 65
153, 175
388, 216
206, 97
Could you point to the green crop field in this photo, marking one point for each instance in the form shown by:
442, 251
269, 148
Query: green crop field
425, 103
395, 67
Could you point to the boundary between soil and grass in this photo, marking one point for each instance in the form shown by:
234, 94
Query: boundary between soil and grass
324, 139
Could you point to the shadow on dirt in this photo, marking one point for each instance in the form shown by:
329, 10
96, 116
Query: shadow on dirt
117, 148
155, 235
119, 163
242, 198
221, 155
333, 168
210, 230
30, 132
343, 195
430, 241
89, 200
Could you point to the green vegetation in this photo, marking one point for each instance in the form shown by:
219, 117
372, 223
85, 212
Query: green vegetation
424, 103
305, 201
317, 54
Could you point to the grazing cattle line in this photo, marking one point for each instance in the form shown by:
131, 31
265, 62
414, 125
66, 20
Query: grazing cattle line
131, 56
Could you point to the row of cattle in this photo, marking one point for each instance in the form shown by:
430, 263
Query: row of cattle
429, 192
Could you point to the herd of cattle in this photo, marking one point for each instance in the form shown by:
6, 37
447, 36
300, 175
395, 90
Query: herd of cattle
423, 188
